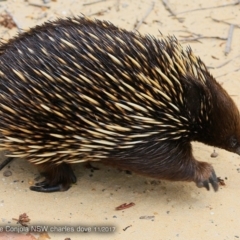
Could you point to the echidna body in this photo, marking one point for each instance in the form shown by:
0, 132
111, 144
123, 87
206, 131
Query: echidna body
78, 90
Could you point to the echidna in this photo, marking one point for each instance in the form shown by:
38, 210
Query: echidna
79, 90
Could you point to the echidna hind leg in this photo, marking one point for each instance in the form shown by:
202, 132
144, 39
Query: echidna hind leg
57, 178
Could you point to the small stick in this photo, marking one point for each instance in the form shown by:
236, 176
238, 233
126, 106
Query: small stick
43, 15
97, 13
166, 5
206, 8
236, 70
125, 205
2, 38
229, 39
144, 17
90, 3
124, 229
201, 37
39, 5
118, 5
221, 21
14, 20
224, 63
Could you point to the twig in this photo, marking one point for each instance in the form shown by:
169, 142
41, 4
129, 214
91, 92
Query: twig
90, 3
14, 20
201, 37
2, 39
236, 70
39, 5
137, 26
225, 63
206, 8
43, 15
118, 5
97, 13
222, 21
166, 5
229, 39
197, 36
124, 229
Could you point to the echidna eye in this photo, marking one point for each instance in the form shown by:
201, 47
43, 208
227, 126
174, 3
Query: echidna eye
233, 142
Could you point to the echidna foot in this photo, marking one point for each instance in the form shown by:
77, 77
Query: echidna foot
212, 180
57, 178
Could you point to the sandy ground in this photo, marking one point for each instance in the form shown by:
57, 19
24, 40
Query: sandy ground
163, 210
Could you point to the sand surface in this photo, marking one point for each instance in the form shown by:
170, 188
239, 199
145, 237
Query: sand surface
163, 210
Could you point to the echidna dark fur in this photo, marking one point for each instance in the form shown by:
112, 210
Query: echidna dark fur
79, 90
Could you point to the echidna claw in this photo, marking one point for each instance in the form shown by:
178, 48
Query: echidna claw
47, 189
212, 180
41, 184
206, 184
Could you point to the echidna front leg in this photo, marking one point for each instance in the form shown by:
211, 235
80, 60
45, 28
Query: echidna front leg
171, 160
188, 168
184, 166
57, 178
